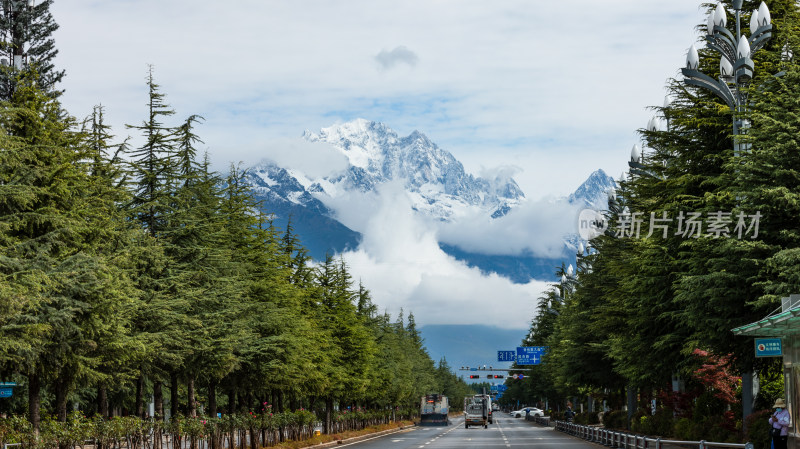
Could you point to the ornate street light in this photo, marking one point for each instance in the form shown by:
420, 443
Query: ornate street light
735, 66
11, 9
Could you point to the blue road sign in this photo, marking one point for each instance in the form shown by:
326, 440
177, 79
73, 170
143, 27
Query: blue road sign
502, 388
530, 355
8, 384
6, 392
506, 356
768, 347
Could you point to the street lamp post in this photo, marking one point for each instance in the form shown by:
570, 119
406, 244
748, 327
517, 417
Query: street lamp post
13, 9
736, 71
735, 66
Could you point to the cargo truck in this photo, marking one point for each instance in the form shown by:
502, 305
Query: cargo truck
433, 410
477, 411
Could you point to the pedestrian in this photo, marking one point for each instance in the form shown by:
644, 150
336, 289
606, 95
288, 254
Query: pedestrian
779, 422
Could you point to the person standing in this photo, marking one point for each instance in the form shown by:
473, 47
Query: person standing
779, 421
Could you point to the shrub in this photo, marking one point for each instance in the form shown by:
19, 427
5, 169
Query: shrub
687, 430
615, 419
758, 429
587, 418
717, 428
662, 424
641, 424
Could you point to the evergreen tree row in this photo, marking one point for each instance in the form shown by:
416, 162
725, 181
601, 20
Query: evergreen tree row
643, 307
131, 275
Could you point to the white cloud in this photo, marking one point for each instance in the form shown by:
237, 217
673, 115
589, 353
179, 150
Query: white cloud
314, 159
400, 55
535, 226
401, 263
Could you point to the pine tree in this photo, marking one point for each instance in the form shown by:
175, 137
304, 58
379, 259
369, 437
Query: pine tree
61, 238
27, 46
152, 163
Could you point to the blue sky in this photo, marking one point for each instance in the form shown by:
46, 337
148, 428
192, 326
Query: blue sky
550, 91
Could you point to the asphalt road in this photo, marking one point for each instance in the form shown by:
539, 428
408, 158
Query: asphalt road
506, 432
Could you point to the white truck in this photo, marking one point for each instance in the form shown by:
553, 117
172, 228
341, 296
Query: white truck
477, 411
434, 410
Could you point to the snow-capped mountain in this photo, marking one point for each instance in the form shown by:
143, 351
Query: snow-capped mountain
593, 193
436, 181
433, 178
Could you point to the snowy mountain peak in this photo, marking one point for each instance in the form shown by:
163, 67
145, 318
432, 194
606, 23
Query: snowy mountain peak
592, 193
435, 179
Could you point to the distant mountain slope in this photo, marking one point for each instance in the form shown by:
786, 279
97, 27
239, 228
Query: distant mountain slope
470, 344
519, 269
286, 199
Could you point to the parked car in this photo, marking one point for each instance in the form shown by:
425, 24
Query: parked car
533, 412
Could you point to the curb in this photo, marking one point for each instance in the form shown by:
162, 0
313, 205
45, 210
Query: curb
362, 437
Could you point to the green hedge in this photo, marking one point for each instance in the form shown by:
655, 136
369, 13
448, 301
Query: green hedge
615, 419
267, 428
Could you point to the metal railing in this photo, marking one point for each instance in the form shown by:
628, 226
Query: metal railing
625, 440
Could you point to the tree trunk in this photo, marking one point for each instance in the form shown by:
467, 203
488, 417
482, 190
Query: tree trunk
329, 415
61, 398
102, 400
215, 436
631, 405
191, 406
173, 395
232, 399
747, 396
140, 396
212, 398
277, 407
34, 402
158, 399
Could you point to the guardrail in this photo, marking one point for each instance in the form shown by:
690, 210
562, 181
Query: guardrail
625, 440
543, 420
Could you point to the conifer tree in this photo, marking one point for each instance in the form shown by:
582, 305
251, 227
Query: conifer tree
60, 243
152, 163
27, 46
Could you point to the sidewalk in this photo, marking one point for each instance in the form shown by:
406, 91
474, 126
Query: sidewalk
545, 421
361, 437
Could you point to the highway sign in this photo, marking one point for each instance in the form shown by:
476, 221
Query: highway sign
501, 388
8, 384
506, 356
6, 392
530, 355
768, 347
